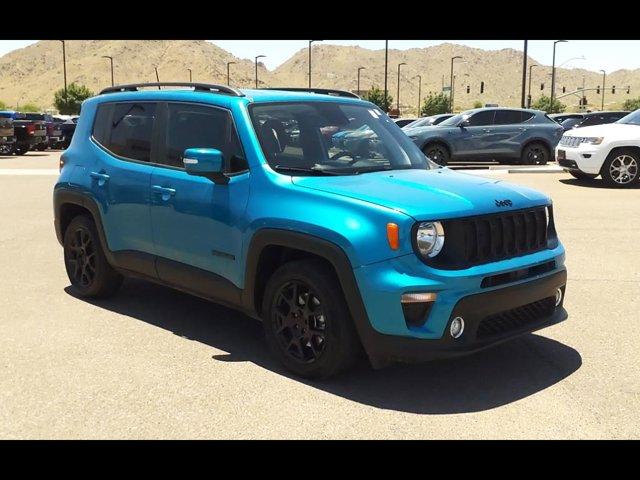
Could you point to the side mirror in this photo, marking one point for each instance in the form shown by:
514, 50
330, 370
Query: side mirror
205, 162
464, 123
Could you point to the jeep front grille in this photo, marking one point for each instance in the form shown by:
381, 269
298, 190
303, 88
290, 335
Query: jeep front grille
567, 141
488, 238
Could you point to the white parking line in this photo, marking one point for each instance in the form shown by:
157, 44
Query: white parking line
29, 171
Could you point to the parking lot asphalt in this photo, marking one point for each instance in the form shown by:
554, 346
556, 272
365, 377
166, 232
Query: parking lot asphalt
155, 363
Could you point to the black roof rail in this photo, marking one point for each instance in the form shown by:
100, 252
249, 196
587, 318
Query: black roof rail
323, 91
199, 87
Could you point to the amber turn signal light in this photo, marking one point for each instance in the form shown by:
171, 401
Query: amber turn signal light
393, 236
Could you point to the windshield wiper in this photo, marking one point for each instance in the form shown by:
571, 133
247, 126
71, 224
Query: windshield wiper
312, 170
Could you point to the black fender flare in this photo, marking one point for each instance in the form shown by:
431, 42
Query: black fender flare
331, 252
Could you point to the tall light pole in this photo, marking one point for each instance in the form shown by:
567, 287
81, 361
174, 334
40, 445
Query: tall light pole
386, 63
399, 65
228, 74
529, 95
524, 71
259, 56
64, 68
157, 76
604, 78
310, 42
419, 92
360, 68
451, 84
553, 73
111, 59
190, 75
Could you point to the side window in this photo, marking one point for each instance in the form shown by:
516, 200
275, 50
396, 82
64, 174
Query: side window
526, 116
130, 130
199, 126
507, 117
481, 118
101, 127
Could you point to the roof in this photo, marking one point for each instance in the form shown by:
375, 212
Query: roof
483, 109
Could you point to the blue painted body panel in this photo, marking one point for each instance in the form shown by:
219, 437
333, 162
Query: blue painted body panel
350, 211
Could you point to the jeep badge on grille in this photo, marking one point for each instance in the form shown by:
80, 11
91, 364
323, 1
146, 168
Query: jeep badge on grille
504, 203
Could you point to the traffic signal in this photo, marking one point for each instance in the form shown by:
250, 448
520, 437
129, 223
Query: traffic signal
583, 101
468, 89
481, 87
564, 89
542, 86
598, 90
628, 90
613, 89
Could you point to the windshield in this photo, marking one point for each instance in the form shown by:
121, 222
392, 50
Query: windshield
571, 122
632, 119
326, 138
421, 122
453, 121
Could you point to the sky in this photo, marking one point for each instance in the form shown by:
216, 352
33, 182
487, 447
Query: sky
609, 55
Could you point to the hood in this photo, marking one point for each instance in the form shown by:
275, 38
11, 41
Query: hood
613, 130
426, 130
428, 194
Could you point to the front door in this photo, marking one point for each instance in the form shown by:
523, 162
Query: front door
472, 140
197, 223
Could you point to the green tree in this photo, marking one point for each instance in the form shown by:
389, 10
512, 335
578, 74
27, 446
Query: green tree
544, 104
375, 95
76, 94
3, 106
477, 104
435, 104
29, 107
631, 104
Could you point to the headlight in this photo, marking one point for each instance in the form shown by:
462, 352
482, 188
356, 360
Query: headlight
592, 140
430, 238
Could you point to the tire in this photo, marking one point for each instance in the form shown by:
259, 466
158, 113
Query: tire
621, 169
331, 345
535, 153
581, 175
7, 149
21, 150
41, 148
437, 152
87, 268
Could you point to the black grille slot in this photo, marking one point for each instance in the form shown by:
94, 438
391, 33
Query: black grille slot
512, 320
489, 238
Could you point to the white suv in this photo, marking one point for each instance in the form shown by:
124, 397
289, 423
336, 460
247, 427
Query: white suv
611, 150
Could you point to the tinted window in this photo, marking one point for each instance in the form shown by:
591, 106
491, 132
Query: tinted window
129, 131
197, 126
507, 117
593, 120
527, 116
101, 127
481, 118
570, 123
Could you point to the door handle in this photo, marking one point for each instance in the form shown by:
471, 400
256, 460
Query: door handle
166, 192
487, 130
102, 178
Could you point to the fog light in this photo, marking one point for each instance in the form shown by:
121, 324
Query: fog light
457, 327
558, 297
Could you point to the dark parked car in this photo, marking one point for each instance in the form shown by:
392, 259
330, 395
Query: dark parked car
41, 122
490, 134
31, 134
592, 118
428, 121
401, 122
7, 134
561, 117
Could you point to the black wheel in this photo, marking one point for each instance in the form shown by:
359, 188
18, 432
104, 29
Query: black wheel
620, 169
306, 320
535, 154
21, 150
41, 148
87, 268
437, 152
581, 175
7, 149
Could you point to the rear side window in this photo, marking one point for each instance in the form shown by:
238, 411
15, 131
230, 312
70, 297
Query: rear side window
481, 118
526, 116
125, 129
508, 117
199, 126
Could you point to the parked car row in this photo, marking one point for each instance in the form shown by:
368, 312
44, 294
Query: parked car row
22, 132
576, 120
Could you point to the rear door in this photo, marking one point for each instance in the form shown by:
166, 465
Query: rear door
124, 147
197, 223
473, 140
509, 132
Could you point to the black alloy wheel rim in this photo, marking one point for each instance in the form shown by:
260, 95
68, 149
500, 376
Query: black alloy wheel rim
536, 156
81, 258
437, 154
299, 322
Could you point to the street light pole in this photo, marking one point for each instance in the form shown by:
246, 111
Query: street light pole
310, 42
399, 65
524, 71
111, 60
64, 68
604, 78
553, 73
259, 56
529, 95
451, 84
360, 68
228, 74
419, 92
386, 62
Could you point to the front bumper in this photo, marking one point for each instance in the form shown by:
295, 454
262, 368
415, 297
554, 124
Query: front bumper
585, 158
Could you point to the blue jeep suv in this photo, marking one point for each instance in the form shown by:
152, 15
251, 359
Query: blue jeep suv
502, 134
245, 198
